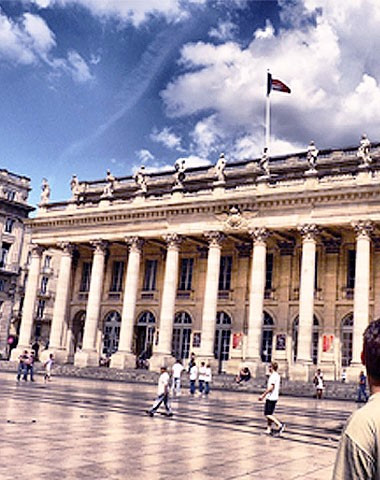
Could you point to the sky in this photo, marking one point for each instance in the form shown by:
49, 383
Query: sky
91, 85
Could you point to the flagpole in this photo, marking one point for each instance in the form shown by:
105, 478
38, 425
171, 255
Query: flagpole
267, 113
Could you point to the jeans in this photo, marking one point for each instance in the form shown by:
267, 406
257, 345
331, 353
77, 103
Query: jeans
192, 387
362, 392
207, 388
201, 386
21, 370
164, 397
29, 369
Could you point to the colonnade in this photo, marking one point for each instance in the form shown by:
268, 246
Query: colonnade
89, 355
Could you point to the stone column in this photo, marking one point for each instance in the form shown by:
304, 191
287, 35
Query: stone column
89, 356
27, 319
361, 293
57, 345
256, 296
124, 357
210, 301
162, 353
306, 299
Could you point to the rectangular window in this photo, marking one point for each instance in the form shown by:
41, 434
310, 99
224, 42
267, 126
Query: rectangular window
150, 275
44, 283
186, 274
86, 277
225, 273
8, 226
117, 276
269, 271
10, 194
5, 247
47, 261
40, 308
351, 259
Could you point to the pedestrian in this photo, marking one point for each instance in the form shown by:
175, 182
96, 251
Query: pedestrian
208, 379
271, 395
358, 456
191, 361
177, 370
48, 367
244, 375
162, 394
201, 378
21, 367
30, 366
344, 376
319, 384
362, 388
193, 375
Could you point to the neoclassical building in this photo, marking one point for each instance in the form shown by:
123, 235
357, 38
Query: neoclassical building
14, 209
250, 261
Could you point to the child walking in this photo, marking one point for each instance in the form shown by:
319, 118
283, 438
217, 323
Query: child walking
48, 366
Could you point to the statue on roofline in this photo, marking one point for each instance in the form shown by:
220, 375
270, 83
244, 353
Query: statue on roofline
264, 162
179, 175
109, 187
140, 179
45, 194
312, 155
74, 185
363, 152
220, 167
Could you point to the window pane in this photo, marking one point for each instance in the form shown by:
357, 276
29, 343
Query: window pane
117, 276
225, 273
150, 275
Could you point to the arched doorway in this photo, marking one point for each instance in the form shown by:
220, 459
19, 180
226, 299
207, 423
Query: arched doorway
78, 330
314, 340
347, 332
267, 338
111, 333
222, 338
181, 335
145, 328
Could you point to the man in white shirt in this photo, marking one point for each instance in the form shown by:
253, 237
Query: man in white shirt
271, 395
193, 375
162, 394
177, 370
358, 456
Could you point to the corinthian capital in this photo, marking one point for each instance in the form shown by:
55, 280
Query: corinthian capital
214, 238
66, 247
308, 231
173, 240
135, 244
100, 246
259, 234
36, 250
363, 229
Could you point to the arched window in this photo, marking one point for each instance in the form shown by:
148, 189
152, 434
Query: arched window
78, 330
222, 337
346, 339
314, 341
111, 332
267, 338
144, 331
181, 335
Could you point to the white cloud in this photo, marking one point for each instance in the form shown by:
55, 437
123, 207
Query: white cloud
167, 138
329, 61
29, 40
134, 11
145, 156
193, 161
225, 30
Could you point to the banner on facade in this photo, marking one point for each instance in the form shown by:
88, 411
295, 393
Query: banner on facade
196, 339
281, 341
237, 340
328, 341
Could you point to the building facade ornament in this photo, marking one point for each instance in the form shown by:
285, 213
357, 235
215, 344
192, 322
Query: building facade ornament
235, 220
99, 245
109, 187
67, 247
308, 231
363, 229
312, 156
135, 244
141, 180
363, 152
259, 235
75, 188
264, 163
173, 240
179, 175
36, 250
220, 168
215, 238
45, 194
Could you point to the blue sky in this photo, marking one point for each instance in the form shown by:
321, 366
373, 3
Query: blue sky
87, 85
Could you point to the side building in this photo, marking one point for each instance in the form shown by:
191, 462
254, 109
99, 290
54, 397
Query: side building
250, 261
14, 191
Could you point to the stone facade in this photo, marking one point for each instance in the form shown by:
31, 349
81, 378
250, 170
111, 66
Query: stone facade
235, 267
14, 191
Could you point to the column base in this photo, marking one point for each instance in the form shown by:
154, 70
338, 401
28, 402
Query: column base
161, 360
60, 356
86, 358
302, 371
122, 360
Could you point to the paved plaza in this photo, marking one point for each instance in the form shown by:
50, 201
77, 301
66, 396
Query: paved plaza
87, 429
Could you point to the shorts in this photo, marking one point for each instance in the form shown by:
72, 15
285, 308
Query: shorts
270, 405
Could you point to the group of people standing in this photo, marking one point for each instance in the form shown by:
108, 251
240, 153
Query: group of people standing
26, 363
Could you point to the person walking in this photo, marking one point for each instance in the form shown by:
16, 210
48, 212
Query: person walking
177, 370
318, 383
193, 375
208, 379
48, 367
30, 366
202, 378
358, 455
21, 367
362, 388
162, 394
271, 395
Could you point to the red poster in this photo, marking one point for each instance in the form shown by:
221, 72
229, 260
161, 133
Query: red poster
327, 342
236, 340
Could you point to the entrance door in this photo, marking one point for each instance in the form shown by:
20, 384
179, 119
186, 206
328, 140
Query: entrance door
181, 335
145, 330
111, 333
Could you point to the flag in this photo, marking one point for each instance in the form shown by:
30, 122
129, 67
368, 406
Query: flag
275, 84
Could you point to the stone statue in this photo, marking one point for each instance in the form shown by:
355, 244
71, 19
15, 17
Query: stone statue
312, 155
45, 194
179, 175
109, 187
220, 167
75, 188
140, 179
364, 151
264, 162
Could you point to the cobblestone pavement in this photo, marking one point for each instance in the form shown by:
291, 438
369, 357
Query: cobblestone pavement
87, 429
